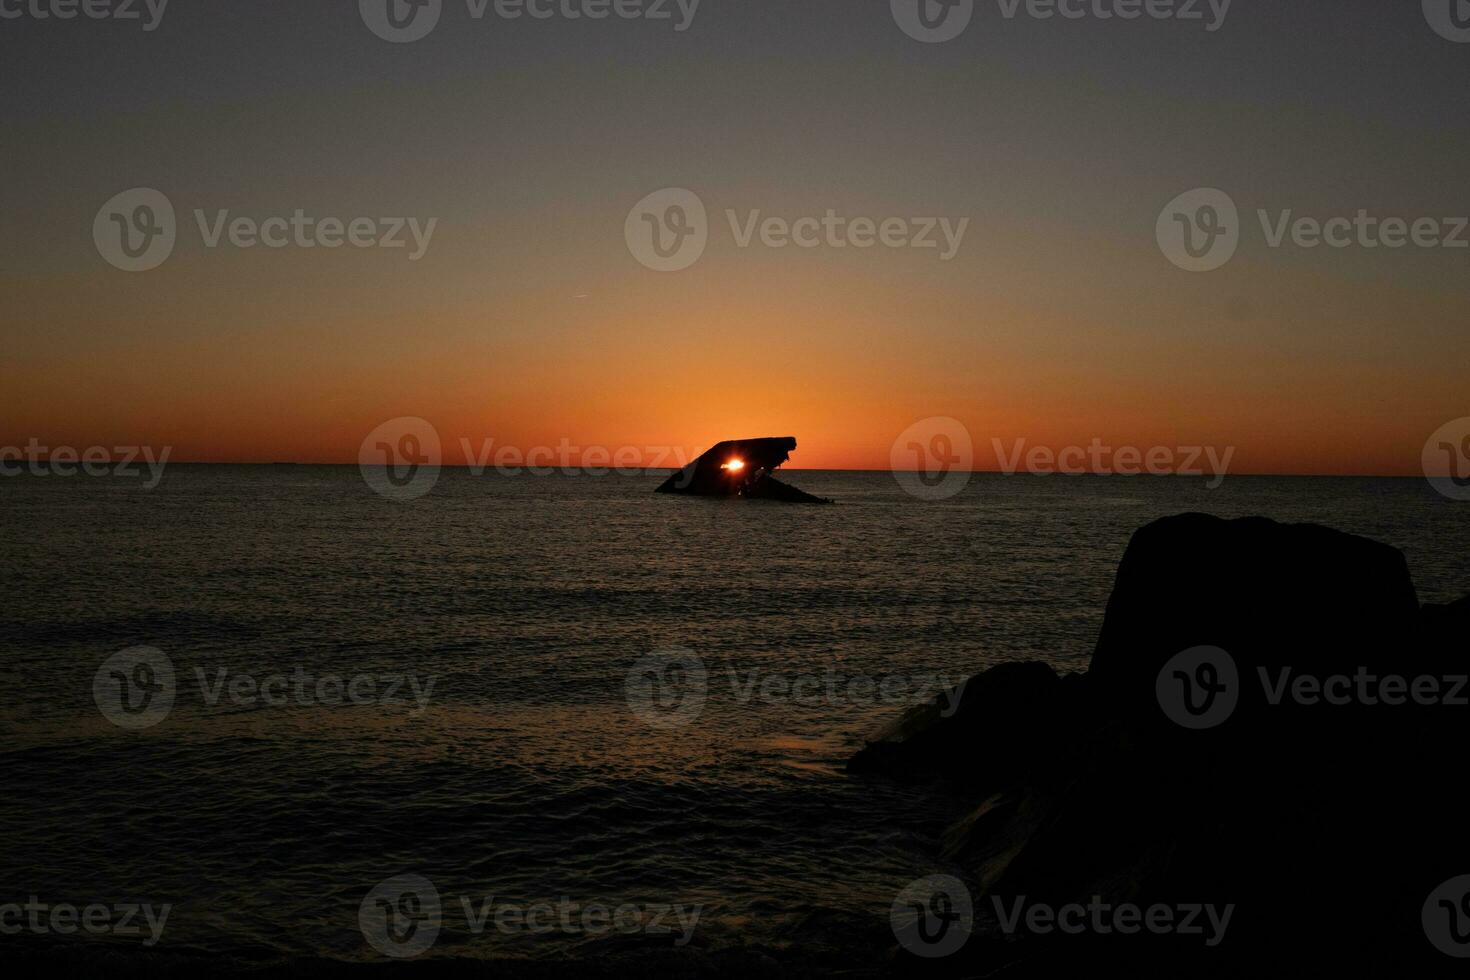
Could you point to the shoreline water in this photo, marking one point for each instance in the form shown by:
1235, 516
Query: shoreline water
529, 775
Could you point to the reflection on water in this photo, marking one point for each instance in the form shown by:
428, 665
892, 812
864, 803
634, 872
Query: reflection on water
526, 601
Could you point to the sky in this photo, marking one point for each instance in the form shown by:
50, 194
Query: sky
530, 320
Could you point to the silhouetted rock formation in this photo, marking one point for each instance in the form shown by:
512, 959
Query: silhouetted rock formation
1024, 707
1270, 594
1327, 825
740, 468
1447, 629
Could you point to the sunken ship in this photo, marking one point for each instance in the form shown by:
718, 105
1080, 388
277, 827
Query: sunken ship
740, 468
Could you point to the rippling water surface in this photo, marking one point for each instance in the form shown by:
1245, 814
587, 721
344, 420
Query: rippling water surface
527, 601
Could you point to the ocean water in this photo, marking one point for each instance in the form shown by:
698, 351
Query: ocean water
525, 772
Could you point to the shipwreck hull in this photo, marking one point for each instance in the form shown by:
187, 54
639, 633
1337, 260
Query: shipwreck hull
740, 468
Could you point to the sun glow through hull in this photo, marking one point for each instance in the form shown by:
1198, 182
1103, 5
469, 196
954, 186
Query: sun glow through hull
740, 468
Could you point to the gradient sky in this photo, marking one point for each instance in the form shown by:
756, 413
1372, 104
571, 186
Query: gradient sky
529, 321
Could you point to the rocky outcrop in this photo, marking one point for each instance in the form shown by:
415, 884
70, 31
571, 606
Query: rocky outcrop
1446, 630
1270, 594
1025, 707
1326, 825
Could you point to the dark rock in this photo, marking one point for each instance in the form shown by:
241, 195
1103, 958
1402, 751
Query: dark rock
1326, 825
1446, 631
993, 728
1269, 594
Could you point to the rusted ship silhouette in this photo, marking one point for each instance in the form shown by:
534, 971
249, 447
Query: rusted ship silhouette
740, 468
